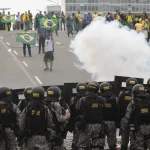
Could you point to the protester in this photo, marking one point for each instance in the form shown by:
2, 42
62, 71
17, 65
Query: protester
78, 21
130, 20
62, 16
0, 21
74, 22
49, 54
26, 21
30, 19
18, 21
69, 25
94, 15
9, 23
28, 46
138, 27
89, 17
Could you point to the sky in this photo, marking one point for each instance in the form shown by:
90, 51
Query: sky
24, 5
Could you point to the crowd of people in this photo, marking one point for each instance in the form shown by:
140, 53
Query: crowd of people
92, 115
75, 22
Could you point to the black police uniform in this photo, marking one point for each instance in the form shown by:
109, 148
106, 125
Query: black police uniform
125, 98
92, 118
9, 120
110, 114
138, 114
59, 118
75, 114
36, 121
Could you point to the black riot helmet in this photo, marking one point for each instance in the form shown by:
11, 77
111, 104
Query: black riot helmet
5, 94
138, 91
37, 95
148, 82
81, 89
130, 83
106, 89
148, 86
53, 94
93, 87
27, 91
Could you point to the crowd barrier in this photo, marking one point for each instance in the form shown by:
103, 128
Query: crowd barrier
69, 89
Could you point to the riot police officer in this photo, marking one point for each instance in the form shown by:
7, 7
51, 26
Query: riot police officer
148, 87
124, 99
23, 103
138, 113
9, 120
110, 113
92, 114
59, 116
81, 91
36, 121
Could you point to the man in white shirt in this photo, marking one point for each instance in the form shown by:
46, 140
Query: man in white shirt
49, 53
18, 21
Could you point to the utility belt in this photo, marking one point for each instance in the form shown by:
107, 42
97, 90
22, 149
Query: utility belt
30, 134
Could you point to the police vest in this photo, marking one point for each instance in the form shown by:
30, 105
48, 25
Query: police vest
124, 99
55, 121
141, 113
36, 120
93, 110
23, 104
110, 109
7, 116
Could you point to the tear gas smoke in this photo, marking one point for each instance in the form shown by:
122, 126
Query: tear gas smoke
106, 49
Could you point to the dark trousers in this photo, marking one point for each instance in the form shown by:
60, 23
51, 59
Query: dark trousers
41, 44
9, 26
3, 26
21, 26
24, 49
69, 30
63, 24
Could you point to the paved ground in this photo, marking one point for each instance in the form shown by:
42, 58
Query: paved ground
18, 71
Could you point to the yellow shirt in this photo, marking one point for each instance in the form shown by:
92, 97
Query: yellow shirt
138, 27
118, 17
54, 16
25, 18
130, 18
78, 16
143, 23
94, 16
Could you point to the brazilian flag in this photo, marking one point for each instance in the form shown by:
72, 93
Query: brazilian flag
49, 24
26, 38
8, 18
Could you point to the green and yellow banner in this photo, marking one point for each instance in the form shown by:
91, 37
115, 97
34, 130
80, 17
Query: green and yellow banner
26, 38
49, 24
8, 18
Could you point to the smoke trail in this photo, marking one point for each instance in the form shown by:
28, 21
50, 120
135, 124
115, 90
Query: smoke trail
106, 49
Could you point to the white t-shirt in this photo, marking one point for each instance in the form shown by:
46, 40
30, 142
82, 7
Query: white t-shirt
18, 18
49, 45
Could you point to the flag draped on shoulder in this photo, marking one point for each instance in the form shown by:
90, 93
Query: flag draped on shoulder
26, 38
8, 18
49, 24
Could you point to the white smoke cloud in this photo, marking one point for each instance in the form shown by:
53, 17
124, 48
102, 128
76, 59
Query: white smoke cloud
105, 50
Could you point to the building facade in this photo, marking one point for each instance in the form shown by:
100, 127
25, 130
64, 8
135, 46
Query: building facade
53, 8
104, 6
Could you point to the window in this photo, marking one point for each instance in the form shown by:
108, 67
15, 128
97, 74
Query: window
85, 8
89, 8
